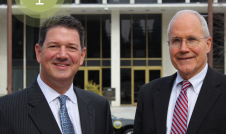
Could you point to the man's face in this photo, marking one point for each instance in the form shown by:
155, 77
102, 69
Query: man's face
60, 56
188, 61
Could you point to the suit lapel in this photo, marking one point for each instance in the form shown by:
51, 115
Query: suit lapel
40, 112
86, 112
206, 99
161, 102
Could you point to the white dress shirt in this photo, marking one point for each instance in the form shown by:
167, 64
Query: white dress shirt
192, 93
54, 104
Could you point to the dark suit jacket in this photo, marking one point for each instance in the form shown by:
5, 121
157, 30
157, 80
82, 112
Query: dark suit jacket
27, 112
208, 117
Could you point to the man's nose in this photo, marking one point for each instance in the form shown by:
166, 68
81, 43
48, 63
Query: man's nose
184, 46
62, 54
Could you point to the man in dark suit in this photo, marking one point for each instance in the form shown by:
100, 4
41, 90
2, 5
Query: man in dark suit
52, 105
192, 100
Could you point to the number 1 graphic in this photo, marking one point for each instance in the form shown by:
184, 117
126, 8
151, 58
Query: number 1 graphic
39, 3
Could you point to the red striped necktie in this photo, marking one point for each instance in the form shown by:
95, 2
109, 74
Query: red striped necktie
179, 123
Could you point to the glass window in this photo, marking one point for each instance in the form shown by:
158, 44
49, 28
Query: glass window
118, 1
106, 62
154, 74
93, 75
3, 2
69, 1
106, 36
66, 1
93, 36
152, 23
17, 37
125, 62
93, 62
154, 26
125, 34
32, 73
106, 77
32, 34
154, 62
201, 1
98, 35
17, 53
221, 1
81, 18
91, 1
145, 1
173, 1
139, 36
17, 79
139, 62
79, 79
125, 86
139, 80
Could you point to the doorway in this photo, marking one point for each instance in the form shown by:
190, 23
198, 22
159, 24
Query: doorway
83, 76
141, 76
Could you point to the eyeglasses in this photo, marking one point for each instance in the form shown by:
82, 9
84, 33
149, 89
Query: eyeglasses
190, 41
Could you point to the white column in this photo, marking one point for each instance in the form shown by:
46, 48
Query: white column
77, 1
187, 1
132, 1
159, 1
115, 56
104, 1
167, 67
224, 43
3, 51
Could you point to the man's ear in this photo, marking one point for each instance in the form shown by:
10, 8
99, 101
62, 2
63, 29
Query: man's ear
83, 54
38, 52
208, 44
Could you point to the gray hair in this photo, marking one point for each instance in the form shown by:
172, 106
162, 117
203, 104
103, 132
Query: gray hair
201, 18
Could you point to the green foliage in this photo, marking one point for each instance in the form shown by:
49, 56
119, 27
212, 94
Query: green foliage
93, 87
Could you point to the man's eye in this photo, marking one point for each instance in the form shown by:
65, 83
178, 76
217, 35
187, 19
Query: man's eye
72, 48
176, 41
53, 46
192, 39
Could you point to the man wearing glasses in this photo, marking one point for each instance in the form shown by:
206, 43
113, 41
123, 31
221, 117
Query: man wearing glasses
193, 100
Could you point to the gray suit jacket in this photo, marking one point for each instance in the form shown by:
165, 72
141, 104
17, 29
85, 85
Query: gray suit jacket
209, 114
27, 112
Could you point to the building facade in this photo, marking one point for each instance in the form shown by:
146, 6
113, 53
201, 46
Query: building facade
126, 43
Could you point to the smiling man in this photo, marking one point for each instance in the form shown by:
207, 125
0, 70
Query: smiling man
52, 105
190, 101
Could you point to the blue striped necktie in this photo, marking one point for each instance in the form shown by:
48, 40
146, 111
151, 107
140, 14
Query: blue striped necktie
180, 115
66, 124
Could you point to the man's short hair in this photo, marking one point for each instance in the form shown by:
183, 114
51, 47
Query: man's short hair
201, 18
61, 21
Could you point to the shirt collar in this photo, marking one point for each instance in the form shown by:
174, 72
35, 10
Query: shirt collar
198, 79
71, 94
195, 80
50, 94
